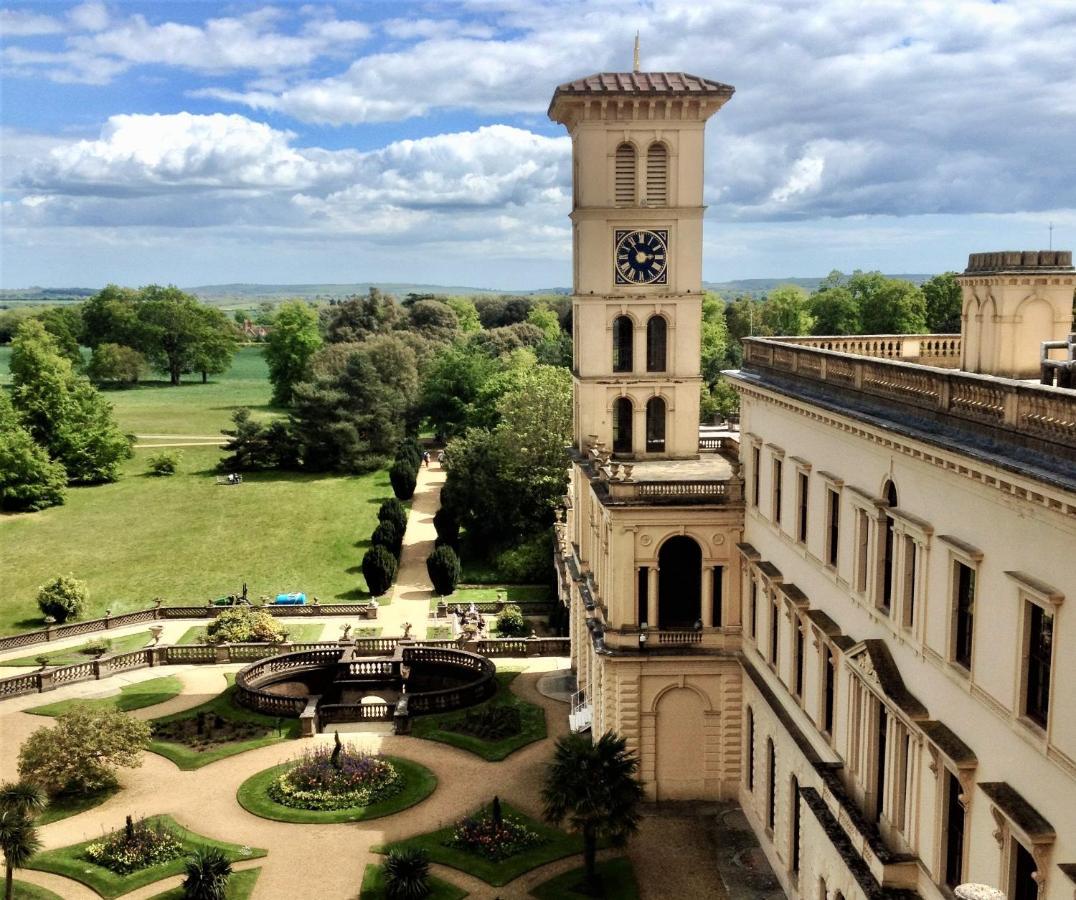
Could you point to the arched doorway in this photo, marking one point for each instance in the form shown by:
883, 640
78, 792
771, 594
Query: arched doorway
679, 583
681, 746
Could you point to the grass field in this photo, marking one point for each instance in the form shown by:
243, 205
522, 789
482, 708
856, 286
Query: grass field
297, 634
132, 696
240, 887
374, 886
26, 891
82, 653
617, 883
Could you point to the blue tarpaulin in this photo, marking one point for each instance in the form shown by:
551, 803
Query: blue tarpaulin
291, 599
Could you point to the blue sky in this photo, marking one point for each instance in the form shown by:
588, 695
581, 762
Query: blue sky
206, 142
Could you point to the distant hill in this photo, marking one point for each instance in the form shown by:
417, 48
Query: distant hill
757, 287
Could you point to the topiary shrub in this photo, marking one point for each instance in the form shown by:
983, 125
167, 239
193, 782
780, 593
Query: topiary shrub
378, 568
407, 874
408, 450
403, 479
208, 871
510, 622
448, 527
388, 535
528, 563
392, 510
62, 598
165, 463
452, 497
242, 625
444, 568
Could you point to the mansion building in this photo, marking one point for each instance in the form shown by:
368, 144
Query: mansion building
849, 617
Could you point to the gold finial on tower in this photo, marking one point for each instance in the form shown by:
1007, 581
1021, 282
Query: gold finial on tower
635, 58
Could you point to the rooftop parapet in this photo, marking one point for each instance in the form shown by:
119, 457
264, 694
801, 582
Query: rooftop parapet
1018, 261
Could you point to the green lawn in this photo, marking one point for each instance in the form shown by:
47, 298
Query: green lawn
617, 883
26, 891
305, 632
79, 654
433, 728
373, 886
131, 696
240, 887
67, 805
557, 845
224, 706
70, 862
419, 783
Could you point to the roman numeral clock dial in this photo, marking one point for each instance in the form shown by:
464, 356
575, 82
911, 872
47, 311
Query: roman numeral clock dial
642, 257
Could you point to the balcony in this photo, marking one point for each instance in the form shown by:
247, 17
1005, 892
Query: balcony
939, 350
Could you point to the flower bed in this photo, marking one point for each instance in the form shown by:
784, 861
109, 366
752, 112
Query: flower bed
494, 837
330, 778
206, 730
138, 846
489, 722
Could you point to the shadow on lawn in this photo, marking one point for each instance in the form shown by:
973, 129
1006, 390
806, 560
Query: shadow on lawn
355, 594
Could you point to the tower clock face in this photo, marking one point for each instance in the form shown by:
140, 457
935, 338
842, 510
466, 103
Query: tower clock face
642, 257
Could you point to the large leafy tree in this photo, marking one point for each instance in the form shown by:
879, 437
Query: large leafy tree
179, 334
715, 337
110, 317
835, 311
944, 301
787, 311
29, 480
62, 410
433, 319
356, 318
897, 307
451, 388
594, 787
293, 339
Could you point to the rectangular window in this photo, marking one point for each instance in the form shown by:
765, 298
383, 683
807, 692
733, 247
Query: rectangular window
756, 466
833, 517
1024, 869
643, 590
879, 760
801, 502
900, 786
800, 659
829, 691
717, 589
752, 613
911, 576
775, 630
953, 829
750, 749
963, 613
1040, 636
778, 466
862, 546
795, 825
771, 811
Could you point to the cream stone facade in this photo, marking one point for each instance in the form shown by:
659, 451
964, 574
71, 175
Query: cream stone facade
850, 617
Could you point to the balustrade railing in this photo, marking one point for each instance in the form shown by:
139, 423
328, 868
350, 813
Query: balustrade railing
1026, 410
941, 350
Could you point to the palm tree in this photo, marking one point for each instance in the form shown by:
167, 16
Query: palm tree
593, 786
19, 841
22, 797
407, 874
208, 871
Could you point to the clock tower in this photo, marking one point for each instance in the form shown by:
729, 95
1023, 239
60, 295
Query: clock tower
637, 174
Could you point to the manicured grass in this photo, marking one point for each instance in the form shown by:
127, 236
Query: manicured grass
26, 891
438, 633
419, 783
240, 887
188, 540
617, 882
374, 887
79, 654
557, 845
131, 696
70, 862
512, 593
301, 633
222, 705
433, 728
63, 807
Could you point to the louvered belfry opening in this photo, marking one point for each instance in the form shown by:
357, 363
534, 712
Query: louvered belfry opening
657, 175
625, 174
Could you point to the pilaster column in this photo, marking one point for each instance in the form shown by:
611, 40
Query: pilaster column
707, 596
652, 596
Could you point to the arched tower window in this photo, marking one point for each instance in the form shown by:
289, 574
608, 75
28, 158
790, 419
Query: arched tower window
679, 582
622, 425
623, 344
887, 550
624, 177
655, 425
657, 332
657, 175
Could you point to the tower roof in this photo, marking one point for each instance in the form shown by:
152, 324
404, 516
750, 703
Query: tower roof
667, 86
652, 83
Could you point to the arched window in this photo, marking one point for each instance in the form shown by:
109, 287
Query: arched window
655, 425
657, 175
679, 583
887, 550
622, 425
624, 190
656, 340
623, 344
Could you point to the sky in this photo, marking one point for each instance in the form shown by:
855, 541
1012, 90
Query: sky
214, 142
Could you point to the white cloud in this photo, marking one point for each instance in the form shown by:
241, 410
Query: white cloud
24, 23
806, 175
89, 17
